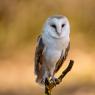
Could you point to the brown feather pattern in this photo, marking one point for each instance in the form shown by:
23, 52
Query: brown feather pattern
39, 58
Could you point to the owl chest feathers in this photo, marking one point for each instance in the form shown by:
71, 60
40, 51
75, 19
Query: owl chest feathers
54, 48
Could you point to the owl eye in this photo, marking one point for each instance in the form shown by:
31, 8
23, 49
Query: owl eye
63, 25
54, 26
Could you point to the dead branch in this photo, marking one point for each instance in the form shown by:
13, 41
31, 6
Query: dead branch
49, 84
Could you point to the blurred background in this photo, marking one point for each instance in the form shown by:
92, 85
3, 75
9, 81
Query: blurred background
21, 22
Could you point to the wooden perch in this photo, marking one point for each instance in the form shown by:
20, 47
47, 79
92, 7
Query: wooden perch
49, 84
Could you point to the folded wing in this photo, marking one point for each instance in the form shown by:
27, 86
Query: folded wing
39, 58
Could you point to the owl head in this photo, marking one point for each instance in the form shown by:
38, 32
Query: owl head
57, 27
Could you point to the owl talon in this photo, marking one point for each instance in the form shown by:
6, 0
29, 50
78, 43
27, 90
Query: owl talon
44, 80
54, 80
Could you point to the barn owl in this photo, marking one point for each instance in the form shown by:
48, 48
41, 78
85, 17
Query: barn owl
52, 48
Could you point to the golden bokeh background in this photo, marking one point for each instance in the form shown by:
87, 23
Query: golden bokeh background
21, 22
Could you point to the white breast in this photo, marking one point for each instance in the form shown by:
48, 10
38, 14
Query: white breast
54, 48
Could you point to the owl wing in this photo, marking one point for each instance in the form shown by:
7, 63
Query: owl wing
62, 59
39, 56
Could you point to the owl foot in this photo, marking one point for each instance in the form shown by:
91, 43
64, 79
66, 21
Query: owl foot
43, 80
55, 80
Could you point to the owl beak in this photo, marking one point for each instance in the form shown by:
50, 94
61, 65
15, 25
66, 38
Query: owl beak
58, 33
